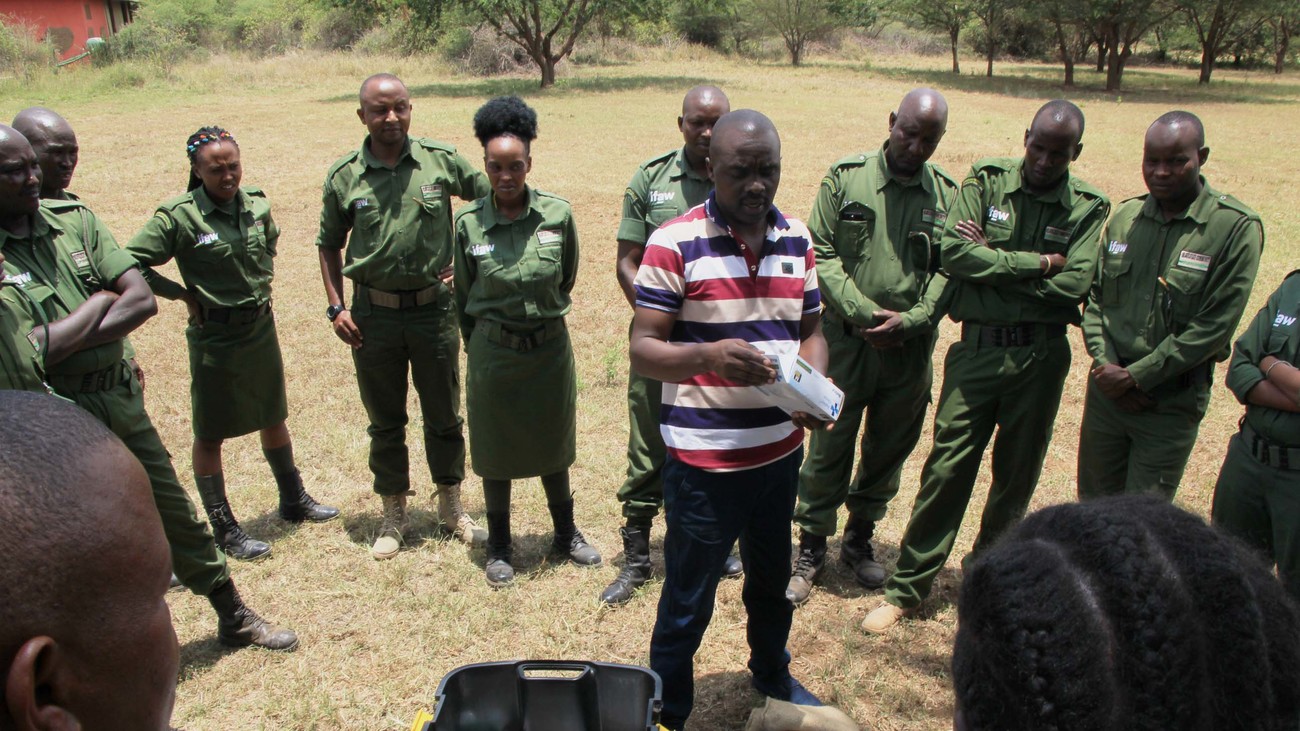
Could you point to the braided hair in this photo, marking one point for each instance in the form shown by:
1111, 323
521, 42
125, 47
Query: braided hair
505, 115
205, 136
1124, 613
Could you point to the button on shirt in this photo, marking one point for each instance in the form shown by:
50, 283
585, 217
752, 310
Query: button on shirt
400, 216
514, 272
1002, 283
224, 251
66, 257
872, 233
1169, 294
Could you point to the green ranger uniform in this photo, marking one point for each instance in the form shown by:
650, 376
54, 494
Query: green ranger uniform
662, 189
22, 363
1009, 367
400, 223
68, 256
1167, 299
513, 280
225, 256
1257, 497
876, 240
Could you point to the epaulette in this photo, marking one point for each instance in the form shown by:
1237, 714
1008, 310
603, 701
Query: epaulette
1000, 164
255, 192
659, 160
342, 162
172, 204
1139, 198
544, 194
852, 161
1228, 201
1292, 274
429, 144
61, 206
468, 208
1083, 187
944, 176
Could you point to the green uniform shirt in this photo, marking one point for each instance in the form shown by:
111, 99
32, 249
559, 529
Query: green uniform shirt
1002, 283
1275, 332
872, 233
400, 217
662, 189
68, 256
21, 362
515, 271
1169, 294
224, 252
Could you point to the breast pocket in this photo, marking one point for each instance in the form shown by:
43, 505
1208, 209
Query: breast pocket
549, 262
491, 277
1114, 280
1284, 342
213, 252
1185, 290
659, 215
999, 235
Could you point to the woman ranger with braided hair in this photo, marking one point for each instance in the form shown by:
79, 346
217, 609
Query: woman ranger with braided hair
223, 239
516, 258
1123, 614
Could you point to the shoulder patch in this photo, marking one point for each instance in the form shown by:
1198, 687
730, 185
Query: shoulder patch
429, 144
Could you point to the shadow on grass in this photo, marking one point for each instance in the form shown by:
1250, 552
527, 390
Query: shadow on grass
269, 527
723, 700
201, 654
528, 86
1146, 85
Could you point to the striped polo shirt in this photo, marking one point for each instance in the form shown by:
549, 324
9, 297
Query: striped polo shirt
719, 288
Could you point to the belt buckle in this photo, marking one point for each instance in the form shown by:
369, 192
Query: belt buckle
1013, 336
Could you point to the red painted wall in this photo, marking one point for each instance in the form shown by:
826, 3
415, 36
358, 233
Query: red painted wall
65, 22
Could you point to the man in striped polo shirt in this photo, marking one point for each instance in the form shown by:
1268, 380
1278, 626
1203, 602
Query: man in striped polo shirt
718, 288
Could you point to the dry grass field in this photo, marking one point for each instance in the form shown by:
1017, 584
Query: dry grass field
377, 637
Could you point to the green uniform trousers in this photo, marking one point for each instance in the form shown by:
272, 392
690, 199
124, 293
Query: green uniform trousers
1127, 453
893, 387
1017, 390
423, 341
642, 493
195, 558
1261, 505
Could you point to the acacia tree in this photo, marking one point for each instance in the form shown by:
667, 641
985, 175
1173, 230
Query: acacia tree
1217, 24
939, 16
801, 22
1122, 23
991, 14
546, 29
1284, 20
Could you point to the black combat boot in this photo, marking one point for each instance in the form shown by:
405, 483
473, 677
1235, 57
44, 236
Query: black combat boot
499, 571
296, 505
856, 553
807, 565
225, 529
568, 539
636, 564
239, 626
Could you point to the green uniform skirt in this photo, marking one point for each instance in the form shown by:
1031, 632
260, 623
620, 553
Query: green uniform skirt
521, 407
236, 378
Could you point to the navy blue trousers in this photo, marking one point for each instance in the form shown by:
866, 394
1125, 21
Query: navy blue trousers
706, 513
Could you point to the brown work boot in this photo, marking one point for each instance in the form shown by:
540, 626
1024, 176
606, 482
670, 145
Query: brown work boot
807, 565
883, 618
239, 626
856, 553
454, 518
395, 523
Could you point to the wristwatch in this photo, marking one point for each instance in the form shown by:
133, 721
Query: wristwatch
333, 311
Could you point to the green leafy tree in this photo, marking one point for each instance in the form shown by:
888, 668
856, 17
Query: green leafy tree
803, 22
1218, 24
1283, 18
1122, 23
546, 30
992, 15
948, 17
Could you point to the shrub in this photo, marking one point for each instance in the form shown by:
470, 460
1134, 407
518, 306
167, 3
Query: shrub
21, 53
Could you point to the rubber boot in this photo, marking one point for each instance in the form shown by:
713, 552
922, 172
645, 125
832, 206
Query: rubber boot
239, 626
296, 505
807, 565
225, 529
498, 571
395, 523
568, 540
636, 564
454, 518
856, 553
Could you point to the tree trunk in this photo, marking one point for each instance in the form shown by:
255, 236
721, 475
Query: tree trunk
1283, 41
796, 53
548, 72
1067, 58
1114, 65
956, 68
1101, 55
1207, 66
989, 69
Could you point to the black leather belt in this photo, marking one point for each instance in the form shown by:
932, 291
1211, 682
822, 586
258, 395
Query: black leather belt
1010, 336
1268, 453
236, 315
522, 340
94, 382
403, 299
